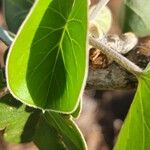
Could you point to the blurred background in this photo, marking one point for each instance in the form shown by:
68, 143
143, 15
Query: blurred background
104, 111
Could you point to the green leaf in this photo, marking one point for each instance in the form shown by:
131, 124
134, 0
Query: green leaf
137, 18
135, 133
77, 112
15, 12
30, 125
50, 130
12, 118
50, 50
55, 131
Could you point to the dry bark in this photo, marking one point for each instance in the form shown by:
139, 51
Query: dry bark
116, 77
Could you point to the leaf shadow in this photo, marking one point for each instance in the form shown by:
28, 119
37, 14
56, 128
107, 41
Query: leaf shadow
46, 73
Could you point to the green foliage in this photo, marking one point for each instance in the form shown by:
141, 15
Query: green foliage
137, 18
15, 12
135, 133
23, 124
51, 48
76, 113
46, 69
47, 130
55, 131
12, 118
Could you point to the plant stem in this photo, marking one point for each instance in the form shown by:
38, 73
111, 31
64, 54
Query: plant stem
117, 57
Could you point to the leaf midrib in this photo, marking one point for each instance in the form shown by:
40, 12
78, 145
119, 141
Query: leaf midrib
58, 51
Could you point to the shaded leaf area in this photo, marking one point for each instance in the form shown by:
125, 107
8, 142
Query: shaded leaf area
137, 18
135, 133
52, 59
50, 130
55, 131
15, 12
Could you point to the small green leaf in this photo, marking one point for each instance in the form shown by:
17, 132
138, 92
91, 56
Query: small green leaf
15, 12
51, 56
135, 133
54, 131
13, 118
137, 18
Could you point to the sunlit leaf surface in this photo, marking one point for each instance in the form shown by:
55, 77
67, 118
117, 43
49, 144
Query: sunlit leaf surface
135, 133
13, 118
46, 65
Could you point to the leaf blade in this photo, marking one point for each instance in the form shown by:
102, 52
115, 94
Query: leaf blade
15, 11
63, 133
138, 137
12, 118
77, 112
137, 11
60, 49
